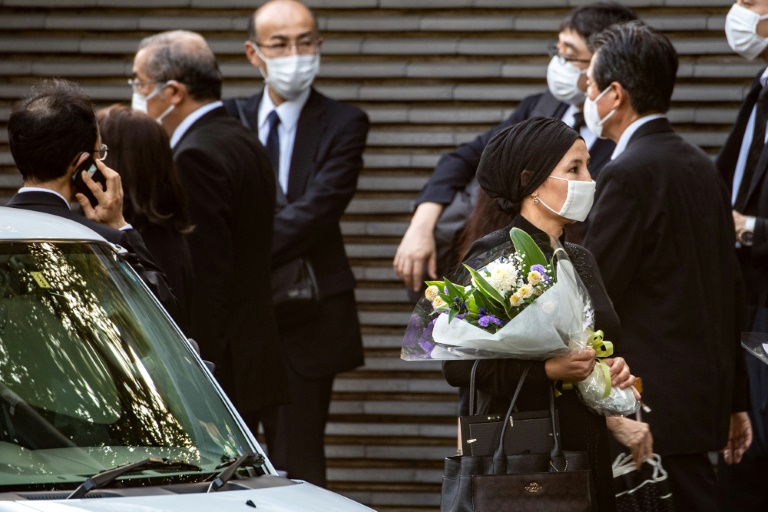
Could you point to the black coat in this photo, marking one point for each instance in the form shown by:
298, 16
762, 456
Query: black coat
581, 430
139, 257
662, 232
231, 190
456, 169
327, 159
754, 260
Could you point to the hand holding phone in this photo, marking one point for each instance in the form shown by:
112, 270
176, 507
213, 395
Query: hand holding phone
88, 166
107, 192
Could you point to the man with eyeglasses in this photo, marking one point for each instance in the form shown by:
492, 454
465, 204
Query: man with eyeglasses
426, 252
315, 146
230, 189
51, 133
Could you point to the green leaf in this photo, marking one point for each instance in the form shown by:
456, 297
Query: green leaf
452, 314
485, 287
528, 249
454, 290
439, 284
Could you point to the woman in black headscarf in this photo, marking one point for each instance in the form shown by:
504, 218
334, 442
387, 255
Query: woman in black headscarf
536, 172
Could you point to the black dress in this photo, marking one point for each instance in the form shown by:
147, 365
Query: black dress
580, 429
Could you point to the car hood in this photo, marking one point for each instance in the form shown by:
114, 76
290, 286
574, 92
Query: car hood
303, 497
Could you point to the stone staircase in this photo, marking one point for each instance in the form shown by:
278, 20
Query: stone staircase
431, 74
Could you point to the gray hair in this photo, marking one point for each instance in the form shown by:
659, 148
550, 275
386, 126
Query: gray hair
183, 56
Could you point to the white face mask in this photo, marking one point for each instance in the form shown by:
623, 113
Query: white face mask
139, 102
578, 202
290, 76
592, 117
563, 81
741, 32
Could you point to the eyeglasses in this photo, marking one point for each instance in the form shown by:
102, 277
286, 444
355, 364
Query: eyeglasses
303, 47
553, 51
135, 84
103, 150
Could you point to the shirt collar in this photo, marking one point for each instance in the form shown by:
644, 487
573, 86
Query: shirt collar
764, 77
630, 131
188, 121
288, 111
38, 189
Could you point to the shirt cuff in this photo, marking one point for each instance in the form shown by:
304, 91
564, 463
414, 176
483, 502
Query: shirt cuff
126, 227
750, 223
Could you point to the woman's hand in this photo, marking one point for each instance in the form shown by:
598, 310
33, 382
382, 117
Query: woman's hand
620, 375
635, 435
574, 366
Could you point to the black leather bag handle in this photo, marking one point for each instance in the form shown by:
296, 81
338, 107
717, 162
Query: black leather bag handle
472, 391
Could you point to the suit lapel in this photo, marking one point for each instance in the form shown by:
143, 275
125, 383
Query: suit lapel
309, 129
757, 177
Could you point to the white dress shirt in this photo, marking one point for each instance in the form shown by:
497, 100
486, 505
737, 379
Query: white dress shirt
188, 121
288, 112
630, 131
570, 119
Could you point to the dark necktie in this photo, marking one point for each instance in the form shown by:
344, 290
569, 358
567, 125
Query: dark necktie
578, 121
755, 149
273, 142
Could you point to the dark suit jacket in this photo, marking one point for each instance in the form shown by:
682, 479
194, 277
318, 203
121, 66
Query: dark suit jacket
456, 169
231, 189
753, 260
138, 256
327, 159
662, 233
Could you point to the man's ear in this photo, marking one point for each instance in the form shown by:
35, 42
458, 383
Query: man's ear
621, 96
79, 159
175, 92
252, 55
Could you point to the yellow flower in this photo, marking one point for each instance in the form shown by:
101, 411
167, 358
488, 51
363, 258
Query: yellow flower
431, 293
438, 303
534, 278
515, 299
525, 291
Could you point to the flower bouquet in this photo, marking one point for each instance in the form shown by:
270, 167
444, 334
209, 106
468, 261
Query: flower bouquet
515, 303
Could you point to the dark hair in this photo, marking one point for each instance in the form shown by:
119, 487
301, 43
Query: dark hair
140, 150
253, 35
593, 18
519, 158
183, 56
641, 59
48, 129
485, 218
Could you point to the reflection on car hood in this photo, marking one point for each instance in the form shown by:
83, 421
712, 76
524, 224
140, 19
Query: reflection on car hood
304, 497
25, 225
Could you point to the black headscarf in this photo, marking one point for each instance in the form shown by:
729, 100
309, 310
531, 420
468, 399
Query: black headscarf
536, 145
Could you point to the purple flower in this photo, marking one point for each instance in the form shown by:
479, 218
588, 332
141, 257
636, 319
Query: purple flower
541, 270
487, 320
482, 312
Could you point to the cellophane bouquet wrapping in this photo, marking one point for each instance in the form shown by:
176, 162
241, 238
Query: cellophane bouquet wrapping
756, 343
512, 302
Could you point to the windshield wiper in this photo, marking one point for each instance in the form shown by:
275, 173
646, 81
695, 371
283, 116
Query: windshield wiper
107, 477
233, 465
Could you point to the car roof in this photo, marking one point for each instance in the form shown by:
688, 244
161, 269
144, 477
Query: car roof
18, 224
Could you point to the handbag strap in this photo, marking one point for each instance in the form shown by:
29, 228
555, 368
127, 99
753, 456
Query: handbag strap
557, 459
472, 390
500, 457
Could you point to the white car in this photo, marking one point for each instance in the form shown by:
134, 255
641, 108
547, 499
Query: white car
102, 396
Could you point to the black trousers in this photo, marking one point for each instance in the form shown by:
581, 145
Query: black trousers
743, 486
295, 433
693, 482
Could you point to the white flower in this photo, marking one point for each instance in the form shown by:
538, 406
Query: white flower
503, 277
431, 293
525, 291
534, 277
438, 303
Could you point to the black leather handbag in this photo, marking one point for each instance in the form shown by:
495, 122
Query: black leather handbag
480, 430
556, 481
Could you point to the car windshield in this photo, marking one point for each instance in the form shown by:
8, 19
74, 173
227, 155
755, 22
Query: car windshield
93, 374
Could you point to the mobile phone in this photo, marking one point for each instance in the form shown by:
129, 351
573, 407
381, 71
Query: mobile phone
88, 166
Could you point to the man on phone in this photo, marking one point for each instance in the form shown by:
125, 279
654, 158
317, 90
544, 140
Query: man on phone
52, 133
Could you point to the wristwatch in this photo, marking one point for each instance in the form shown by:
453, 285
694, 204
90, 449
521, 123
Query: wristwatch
746, 235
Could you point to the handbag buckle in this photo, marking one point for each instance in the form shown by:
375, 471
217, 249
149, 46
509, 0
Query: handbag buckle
534, 488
